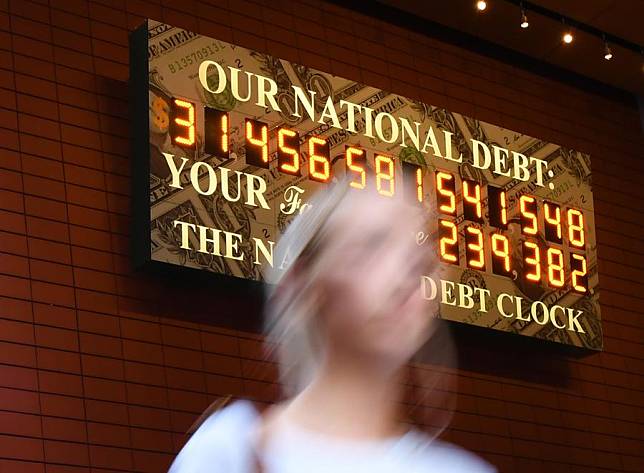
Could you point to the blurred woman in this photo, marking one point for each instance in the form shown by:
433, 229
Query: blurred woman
346, 314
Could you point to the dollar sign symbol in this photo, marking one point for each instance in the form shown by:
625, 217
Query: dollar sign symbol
160, 117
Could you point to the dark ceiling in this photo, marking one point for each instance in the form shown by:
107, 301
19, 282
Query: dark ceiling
499, 24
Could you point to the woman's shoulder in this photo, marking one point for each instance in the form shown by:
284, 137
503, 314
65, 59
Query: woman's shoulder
227, 424
222, 440
441, 456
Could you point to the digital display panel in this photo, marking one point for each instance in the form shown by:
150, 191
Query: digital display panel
231, 142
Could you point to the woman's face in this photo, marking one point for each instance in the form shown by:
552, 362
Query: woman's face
369, 280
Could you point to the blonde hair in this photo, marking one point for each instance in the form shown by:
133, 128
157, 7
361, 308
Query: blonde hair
290, 317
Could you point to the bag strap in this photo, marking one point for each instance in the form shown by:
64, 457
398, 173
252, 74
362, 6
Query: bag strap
258, 465
217, 404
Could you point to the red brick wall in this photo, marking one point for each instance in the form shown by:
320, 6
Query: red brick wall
94, 376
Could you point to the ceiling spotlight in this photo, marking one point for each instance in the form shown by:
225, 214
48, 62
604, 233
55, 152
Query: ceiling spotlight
608, 54
567, 36
481, 5
524, 19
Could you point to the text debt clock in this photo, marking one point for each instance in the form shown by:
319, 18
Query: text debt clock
229, 143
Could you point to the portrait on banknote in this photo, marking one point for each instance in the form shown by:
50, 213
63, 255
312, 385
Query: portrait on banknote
230, 143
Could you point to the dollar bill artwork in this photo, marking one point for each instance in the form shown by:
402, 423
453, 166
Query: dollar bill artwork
172, 66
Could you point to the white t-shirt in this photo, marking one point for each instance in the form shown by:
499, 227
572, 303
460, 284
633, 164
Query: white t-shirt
223, 443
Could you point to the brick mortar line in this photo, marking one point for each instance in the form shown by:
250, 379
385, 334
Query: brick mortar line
522, 118
624, 176
618, 127
82, 388
511, 436
609, 217
447, 47
122, 292
243, 376
447, 371
33, 328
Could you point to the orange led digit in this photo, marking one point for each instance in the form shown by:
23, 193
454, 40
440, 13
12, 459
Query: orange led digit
288, 157
257, 147
183, 127
500, 254
413, 185
497, 206
532, 258
504, 208
446, 193
528, 208
387, 175
419, 185
356, 159
578, 277
319, 162
474, 256
576, 235
472, 201
552, 218
216, 132
448, 241
224, 132
555, 267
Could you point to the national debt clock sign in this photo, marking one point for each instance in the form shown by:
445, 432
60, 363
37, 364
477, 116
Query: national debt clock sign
229, 143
